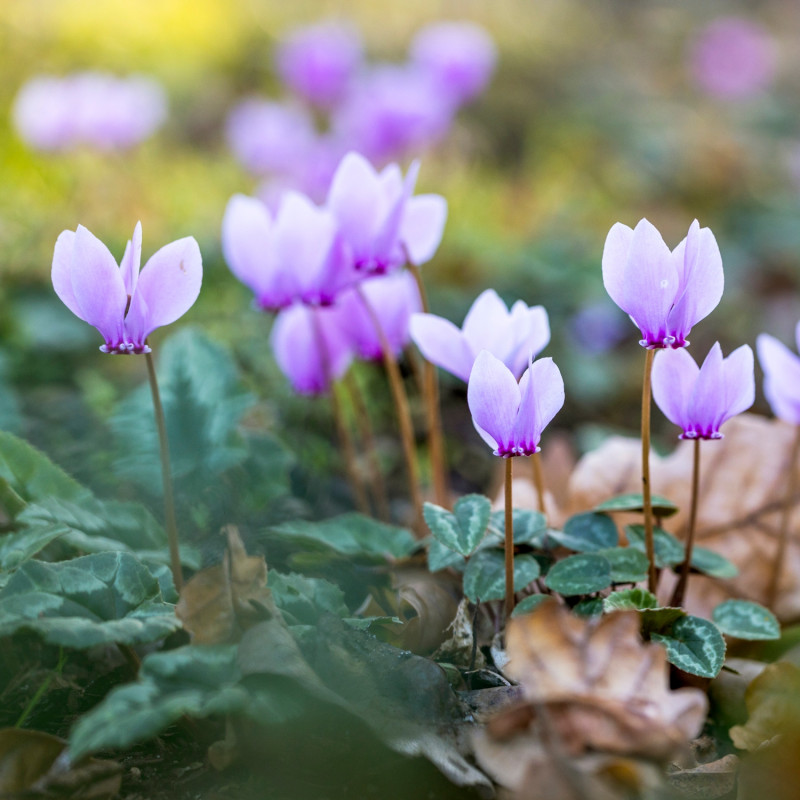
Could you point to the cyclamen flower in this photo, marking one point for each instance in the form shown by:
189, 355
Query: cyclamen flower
664, 293
781, 376
319, 61
310, 348
381, 224
511, 416
700, 399
297, 256
459, 56
394, 298
124, 305
514, 336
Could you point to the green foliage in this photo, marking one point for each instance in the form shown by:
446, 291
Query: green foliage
713, 564
302, 599
462, 529
440, 556
529, 603
530, 527
580, 574
585, 533
694, 645
746, 620
591, 607
485, 577
668, 550
628, 565
634, 502
630, 599
97, 599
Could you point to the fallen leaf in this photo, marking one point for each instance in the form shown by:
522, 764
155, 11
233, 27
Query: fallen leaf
221, 602
742, 488
37, 765
711, 781
459, 648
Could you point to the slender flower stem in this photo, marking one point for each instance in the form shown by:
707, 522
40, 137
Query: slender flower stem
783, 535
43, 687
403, 414
538, 479
683, 581
377, 483
349, 452
166, 477
432, 413
646, 499
509, 542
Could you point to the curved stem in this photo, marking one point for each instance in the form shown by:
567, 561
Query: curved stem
646, 499
166, 477
509, 542
538, 479
403, 414
783, 535
377, 483
683, 581
433, 413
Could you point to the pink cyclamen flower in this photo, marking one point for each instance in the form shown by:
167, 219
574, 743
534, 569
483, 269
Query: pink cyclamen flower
781, 376
393, 298
382, 225
733, 58
513, 335
700, 399
459, 56
295, 256
310, 348
126, 306
511, 416
318, 62
664, 293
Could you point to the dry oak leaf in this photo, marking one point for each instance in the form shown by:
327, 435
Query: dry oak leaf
219, 603
589, 686
742, 489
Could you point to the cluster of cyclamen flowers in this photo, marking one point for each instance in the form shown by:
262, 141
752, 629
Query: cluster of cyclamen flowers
92, 109
383, 111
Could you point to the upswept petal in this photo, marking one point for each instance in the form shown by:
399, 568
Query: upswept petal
169, 284
386, 249
357, 200
97, 286
650, 282
531, 332
698, 260
781, 377
615, 260
542, 397
708, 398
674, 376
487, 324
246, 235
493, 397
132, 260
442, 343
422, 227
61, 272
738, 375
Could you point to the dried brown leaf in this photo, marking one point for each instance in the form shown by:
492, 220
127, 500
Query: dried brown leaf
35, 764
221, 602
742, 488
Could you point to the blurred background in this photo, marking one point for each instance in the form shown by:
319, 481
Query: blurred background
581, 114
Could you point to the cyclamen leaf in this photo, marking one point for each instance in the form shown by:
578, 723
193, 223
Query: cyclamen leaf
588, 532
668, 550
441, 557
746, 620
530, 527
628, 565
96, 599
713, 564
464, 528
634, 502
529, 603
485, 577
630, 598
303, 599
580, 574
694, 645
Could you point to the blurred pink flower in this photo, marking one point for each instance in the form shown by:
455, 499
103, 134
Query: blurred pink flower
318, 62
733, 58
93, 109
781, 376
459, 56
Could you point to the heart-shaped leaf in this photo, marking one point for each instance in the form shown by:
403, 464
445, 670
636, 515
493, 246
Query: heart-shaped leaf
694, 645
634, 502
580, 574
485, 576
462, 529
746, 620
628, 565
669, 551
585, 533
630, 598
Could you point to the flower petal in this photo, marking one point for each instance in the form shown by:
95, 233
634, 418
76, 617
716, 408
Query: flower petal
531, 333
442, 343
423, 226
246, 234
738, 376
61, 272
132, 260
707, 405
97, 286
542, 397
781, 377
615, 259
493, 397
168, 287
487, 325
674, 376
